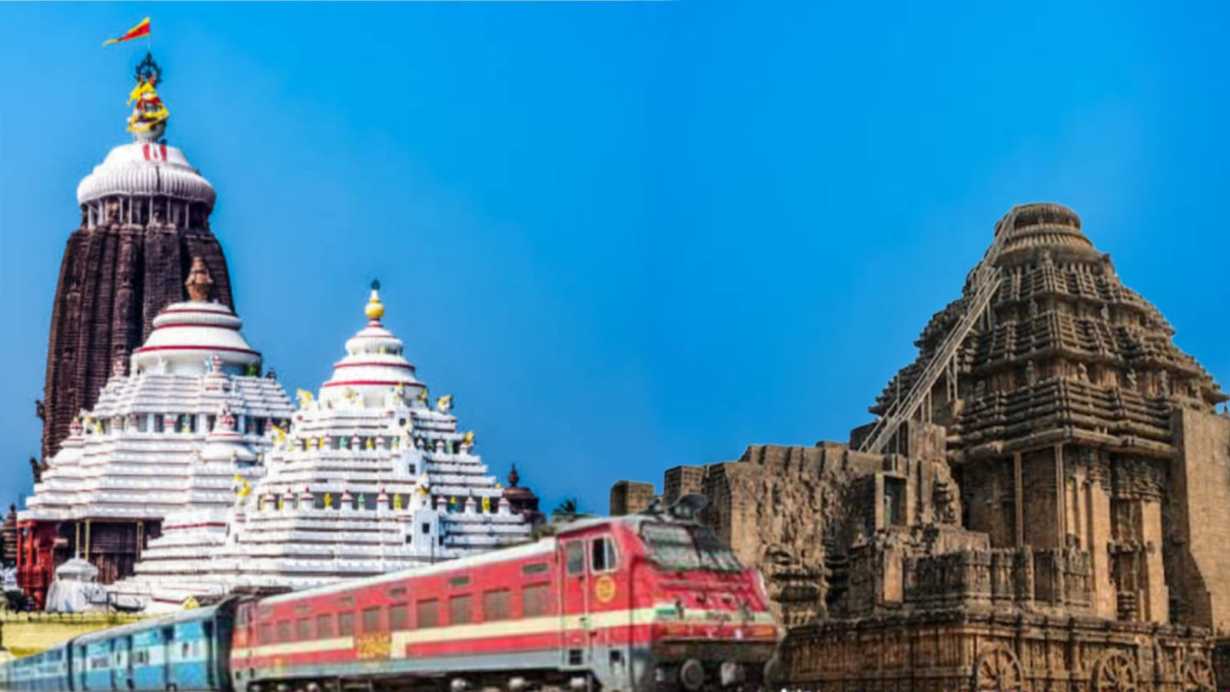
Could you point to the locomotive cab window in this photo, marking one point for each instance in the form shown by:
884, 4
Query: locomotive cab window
602, 556
574, 557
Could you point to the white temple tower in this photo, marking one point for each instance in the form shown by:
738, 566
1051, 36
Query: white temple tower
368, 479
145, 450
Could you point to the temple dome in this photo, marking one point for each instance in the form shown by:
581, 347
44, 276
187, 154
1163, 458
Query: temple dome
375, 362
187, 336
146, 169
1044, 226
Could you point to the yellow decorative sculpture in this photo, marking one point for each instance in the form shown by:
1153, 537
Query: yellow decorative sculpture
305, 397
468, 438
328, 500
445, 403
486, 504
423, 396
149, 112
244, 488
397, 501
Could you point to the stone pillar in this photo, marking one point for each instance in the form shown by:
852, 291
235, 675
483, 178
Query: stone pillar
1018, 503
1156, 607
1097, 532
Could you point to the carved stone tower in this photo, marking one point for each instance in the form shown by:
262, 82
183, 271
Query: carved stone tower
144, 216
1073, 421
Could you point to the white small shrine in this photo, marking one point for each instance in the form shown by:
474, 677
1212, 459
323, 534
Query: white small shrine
369, 478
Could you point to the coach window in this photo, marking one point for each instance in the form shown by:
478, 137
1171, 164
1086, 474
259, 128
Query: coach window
345, 624
284, 631
602, 554
371, 619
460, 610
574, 556
399, 617
324, 626
266, 633
427, 613
304, 629
495, 605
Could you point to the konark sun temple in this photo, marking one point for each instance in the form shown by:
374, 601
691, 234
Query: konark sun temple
1040, 504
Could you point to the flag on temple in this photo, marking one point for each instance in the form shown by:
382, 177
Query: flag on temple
141, 29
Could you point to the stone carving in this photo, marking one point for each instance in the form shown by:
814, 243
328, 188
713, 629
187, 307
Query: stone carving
998, 669
1116, 672
1038, 535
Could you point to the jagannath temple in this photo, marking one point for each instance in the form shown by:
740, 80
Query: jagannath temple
1041, 503
144, 218
165, 440
370, 477
147, 448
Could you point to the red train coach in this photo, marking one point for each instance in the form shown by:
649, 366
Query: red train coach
651, 601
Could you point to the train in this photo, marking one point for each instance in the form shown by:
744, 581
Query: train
651, 601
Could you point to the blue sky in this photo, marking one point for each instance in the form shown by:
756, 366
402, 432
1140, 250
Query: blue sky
627, 236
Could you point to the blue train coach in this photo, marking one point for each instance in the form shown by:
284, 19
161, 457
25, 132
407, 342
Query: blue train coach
187, 651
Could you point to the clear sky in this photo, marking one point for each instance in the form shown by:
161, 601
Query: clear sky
627, 236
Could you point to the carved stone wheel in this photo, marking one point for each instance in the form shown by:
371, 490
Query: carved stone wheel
1198, 674
1116, 672
998, 670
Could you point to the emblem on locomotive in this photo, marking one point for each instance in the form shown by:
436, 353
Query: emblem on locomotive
604, 589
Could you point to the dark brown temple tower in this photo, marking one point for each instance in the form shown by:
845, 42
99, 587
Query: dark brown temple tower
144, 216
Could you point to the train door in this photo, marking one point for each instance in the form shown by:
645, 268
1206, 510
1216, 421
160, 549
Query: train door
121, 663
244, 640
609, 606
574, 606
166, 639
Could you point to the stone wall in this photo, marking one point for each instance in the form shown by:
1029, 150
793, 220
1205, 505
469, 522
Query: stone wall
961, 651
631, 497
1198, 519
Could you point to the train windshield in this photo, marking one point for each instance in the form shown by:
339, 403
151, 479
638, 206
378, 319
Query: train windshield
676, 547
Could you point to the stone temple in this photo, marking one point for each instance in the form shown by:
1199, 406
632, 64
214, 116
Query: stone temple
144, 217
1042, 503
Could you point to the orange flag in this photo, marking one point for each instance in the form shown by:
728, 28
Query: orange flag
137, 31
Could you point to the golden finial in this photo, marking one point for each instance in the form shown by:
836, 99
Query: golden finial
374, 309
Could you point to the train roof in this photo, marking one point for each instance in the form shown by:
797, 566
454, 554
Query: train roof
525, 550
543, 545
179, 616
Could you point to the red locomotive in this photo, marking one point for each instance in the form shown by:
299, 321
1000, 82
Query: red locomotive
650, 601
